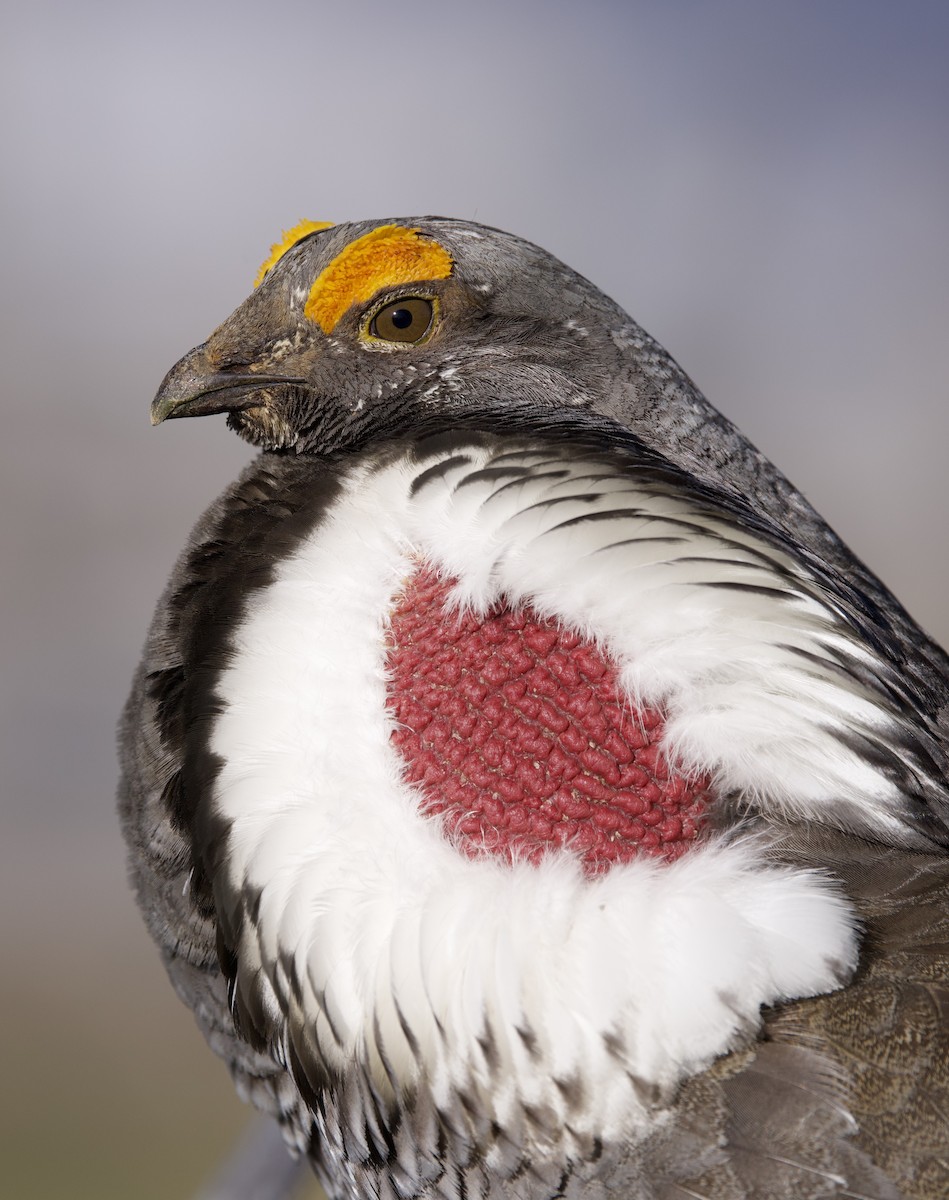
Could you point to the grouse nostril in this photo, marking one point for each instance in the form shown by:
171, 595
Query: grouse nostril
228, 359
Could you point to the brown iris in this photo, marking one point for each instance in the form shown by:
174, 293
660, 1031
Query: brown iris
405, 320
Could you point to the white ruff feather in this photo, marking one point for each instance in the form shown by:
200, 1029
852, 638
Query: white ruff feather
442, 967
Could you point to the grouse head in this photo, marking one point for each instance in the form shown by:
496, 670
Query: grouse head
359, 332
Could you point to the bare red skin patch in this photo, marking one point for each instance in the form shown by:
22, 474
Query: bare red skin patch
518, 737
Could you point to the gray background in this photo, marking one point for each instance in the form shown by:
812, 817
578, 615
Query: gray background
765, 186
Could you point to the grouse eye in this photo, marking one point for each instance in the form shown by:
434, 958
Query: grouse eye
406, 320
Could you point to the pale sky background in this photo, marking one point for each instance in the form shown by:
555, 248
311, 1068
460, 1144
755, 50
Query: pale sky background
765, 186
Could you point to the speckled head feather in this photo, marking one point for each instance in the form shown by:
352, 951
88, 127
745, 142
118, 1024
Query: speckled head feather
529, 792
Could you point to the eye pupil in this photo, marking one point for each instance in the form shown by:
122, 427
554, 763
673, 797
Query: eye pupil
401, 318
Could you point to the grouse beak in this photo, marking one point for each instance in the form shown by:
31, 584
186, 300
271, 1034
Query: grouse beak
195, 387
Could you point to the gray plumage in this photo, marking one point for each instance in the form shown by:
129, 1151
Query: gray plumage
838, 1095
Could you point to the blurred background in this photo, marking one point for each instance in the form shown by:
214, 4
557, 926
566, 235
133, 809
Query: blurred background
764, 186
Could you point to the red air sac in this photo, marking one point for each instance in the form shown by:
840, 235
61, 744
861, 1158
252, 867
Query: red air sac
517, 736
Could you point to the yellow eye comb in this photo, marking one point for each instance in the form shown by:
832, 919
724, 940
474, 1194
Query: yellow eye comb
387, 256
290, 238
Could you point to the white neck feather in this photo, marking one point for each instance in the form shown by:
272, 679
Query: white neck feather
516, 981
